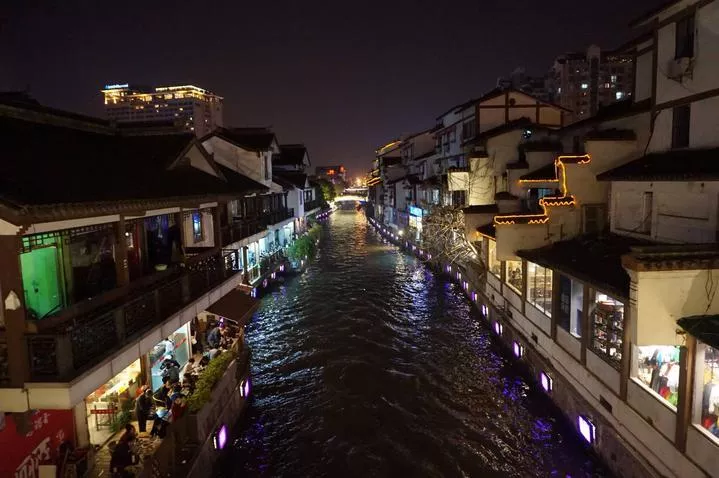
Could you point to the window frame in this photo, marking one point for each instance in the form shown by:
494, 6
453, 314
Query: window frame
197, 227
681, 126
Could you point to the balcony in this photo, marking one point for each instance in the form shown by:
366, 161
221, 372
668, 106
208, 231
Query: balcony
241, 228
274, 217
314, 204
81, 337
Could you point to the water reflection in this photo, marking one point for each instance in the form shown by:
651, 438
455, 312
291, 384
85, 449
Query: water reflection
369, 365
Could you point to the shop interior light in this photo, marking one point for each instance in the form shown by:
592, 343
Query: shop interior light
498, 328
518, 349
220, 438
546, 381
586, 429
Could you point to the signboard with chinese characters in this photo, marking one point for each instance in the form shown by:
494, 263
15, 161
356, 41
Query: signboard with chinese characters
25, 453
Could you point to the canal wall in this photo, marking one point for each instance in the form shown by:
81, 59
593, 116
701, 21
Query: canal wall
622, 439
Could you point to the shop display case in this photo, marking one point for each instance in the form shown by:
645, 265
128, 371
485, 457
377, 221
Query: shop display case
608, 331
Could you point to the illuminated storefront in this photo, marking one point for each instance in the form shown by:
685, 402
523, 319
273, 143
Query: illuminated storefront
707, 390
103, 405
657, 368
415, 221
177, 346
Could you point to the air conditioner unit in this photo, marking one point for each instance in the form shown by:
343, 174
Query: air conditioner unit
679, 68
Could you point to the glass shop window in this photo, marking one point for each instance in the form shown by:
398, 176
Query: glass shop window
657, 368
539, 287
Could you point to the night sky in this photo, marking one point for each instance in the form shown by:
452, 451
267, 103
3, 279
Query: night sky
342, 77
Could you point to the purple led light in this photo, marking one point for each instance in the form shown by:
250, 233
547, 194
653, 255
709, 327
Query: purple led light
586, 429
485, 310
221, 438
274, 275
253, 294
546, 381
518, 349
245, 388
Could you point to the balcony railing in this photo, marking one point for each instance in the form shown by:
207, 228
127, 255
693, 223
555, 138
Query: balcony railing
240, 229
274, 217
73, 346
314, 204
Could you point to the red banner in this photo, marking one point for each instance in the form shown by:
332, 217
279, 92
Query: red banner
23, 454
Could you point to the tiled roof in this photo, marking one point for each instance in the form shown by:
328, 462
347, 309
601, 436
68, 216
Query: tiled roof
483, 209
704, 328
518, 165
547, 173
618, 109
541, 145
46, 164
488, 230
297, 180
674, 165
241, 183
505, 196
595, 260
424, 156
254, 139
290, 155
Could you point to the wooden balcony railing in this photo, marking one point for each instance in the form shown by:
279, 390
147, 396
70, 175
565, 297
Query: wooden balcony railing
73, 345
244, 227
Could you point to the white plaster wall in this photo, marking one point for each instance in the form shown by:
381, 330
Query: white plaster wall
644, 403
682, 212
514, 299
703, 450
666, 296
608, 375
248, 163
538, 318
706, 57
198, 160
569, 343
703, 124
643, 71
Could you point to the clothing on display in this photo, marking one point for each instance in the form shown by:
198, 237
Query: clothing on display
658, 369
177, 348
710, 395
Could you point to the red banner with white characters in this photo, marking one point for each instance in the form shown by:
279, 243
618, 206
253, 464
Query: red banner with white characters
23, 454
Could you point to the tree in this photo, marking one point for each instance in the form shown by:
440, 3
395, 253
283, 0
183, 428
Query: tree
444, 235
327, 189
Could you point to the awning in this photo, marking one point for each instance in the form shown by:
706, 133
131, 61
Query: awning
237, 306
704, 328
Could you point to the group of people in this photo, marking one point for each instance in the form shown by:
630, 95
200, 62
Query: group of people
168, 403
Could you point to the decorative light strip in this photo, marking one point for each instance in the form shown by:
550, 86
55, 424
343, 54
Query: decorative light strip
565, 199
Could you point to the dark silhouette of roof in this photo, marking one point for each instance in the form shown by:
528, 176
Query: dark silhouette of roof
294, 179
594, 259
253, 139
291, 155
483, 209
46, 164
673, 165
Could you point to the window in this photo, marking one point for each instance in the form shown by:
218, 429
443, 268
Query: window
657, 368
458, 198
593, 216
585, 86
495, 266
607, 329
646, 224
680, 126
267, 167
571, 305
539, 287
197, 226
301, 197
707, 388
469, 129
619, 95
513, 275
613, 78
684, 38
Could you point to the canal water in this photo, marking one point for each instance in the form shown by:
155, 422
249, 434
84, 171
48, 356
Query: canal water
370, 365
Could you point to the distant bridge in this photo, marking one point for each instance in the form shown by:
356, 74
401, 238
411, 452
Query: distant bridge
351, 198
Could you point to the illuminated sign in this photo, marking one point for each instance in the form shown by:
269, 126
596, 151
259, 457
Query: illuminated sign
416, 211
116, 86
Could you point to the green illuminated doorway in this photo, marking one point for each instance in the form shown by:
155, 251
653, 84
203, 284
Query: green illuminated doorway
40, 280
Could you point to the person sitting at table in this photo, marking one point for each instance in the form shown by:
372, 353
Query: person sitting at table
170, 368
213, 337
162, 396
189, 368
178, 408
130, 431
122, 457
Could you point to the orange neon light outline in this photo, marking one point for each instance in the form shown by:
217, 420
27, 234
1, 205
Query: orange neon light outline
565, 199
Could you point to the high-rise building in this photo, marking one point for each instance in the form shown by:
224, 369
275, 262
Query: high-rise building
585, 81
532, 85
335, 174
189, 107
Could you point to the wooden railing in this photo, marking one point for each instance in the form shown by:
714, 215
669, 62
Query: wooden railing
314, 204
80, 341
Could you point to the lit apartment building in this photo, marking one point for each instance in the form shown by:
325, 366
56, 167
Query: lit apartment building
583, 82
189, 107
335, 174
536, 86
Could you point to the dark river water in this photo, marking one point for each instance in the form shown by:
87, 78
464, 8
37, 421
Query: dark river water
370, 365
